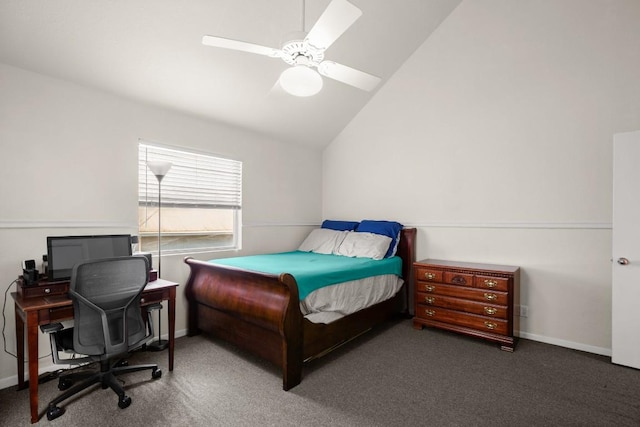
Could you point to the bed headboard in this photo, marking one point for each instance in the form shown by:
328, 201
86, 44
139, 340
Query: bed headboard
407, 251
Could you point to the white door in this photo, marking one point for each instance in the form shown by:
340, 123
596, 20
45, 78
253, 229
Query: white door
625, 336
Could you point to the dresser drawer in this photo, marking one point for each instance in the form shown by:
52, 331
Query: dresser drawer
427, 287
497, 298
461, 279
492, 283
480, 323
429, 275
490, 310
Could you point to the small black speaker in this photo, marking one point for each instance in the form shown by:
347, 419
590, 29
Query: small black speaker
30, 276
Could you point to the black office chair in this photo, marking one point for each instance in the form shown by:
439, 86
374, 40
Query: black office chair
108, 324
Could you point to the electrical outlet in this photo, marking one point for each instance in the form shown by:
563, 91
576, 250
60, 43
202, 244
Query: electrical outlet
523, 310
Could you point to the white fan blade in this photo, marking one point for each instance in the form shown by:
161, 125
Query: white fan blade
348, 75
240, 45
337, 17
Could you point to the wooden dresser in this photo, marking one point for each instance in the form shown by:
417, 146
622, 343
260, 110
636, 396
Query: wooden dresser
469, 298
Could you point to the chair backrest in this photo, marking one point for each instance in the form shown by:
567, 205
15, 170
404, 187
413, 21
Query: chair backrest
106, 301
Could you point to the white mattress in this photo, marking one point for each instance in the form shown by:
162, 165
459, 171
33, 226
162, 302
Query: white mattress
333, 302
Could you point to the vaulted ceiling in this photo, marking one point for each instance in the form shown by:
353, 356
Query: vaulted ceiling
151, 51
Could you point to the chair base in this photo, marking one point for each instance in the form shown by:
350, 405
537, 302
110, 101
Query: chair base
106, 377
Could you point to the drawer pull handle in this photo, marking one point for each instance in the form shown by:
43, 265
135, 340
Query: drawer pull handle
429, 288
430, 276
490, 283
490, 297
47, 291
429, 312
490, 325
429, 300
142, 300
490, 311
459, 280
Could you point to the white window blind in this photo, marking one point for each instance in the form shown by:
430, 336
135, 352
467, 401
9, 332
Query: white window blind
194, 181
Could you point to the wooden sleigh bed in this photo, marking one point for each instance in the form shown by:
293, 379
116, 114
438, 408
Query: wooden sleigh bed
261, 312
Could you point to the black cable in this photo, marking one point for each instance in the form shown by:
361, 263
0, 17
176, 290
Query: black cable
4, 324
4, 319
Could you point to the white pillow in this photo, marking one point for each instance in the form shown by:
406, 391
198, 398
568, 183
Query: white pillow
323, 241
364, 245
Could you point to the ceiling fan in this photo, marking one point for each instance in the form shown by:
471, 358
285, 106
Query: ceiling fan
305, 53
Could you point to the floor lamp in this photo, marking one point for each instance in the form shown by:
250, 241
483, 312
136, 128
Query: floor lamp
159, 169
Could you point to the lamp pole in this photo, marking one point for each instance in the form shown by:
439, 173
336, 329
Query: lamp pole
159, 224
159, 169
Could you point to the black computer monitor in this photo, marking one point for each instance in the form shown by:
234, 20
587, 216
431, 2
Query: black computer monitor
63, 252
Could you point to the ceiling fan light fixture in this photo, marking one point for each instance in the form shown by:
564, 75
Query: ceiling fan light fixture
305, 52
301, 80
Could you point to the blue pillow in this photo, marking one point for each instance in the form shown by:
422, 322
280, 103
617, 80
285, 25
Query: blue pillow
339, 225
385, 228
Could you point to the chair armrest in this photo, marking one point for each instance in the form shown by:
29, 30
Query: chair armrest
51, 328
156, 306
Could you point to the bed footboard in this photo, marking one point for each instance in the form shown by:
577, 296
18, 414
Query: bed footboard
256, 311
261, 312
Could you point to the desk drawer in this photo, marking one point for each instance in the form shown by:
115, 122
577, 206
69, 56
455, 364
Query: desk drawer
43, 290
56, 314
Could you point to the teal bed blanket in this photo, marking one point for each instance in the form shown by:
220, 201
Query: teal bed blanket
312, 270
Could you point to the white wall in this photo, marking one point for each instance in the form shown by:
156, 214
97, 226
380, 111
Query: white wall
495, 140
68, 165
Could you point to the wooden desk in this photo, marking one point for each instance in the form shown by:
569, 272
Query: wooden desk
37, 311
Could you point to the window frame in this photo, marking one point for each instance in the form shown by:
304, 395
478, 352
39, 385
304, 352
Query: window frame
148, 186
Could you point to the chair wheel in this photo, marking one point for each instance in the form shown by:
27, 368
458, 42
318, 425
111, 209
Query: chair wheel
124, 402
156, 374
64, 383
54, 412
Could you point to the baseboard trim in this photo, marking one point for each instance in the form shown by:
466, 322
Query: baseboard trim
13, 380
567, 344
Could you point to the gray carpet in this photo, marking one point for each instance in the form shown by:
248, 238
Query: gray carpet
391, 376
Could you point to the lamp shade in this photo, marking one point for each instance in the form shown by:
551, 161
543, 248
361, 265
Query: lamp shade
159, 168
301, 80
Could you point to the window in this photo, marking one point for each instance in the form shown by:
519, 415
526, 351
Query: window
200, 199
